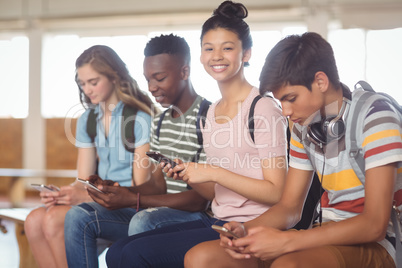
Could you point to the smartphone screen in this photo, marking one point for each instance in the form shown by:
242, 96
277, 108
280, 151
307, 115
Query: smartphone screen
44, 188
224, 231
161, 158
89, 184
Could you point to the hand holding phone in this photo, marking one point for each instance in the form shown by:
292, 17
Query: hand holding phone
89, 184
224, 231
161, 158
45, 188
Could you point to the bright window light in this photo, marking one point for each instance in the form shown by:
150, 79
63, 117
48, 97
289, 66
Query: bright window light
350, 52
384, 59
263, 42
60, 53
14, 65
60, 96
372, 56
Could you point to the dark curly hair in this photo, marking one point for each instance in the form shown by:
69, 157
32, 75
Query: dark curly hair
230, 16
169, 44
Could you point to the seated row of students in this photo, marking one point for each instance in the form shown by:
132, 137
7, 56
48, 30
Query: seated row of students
242, 176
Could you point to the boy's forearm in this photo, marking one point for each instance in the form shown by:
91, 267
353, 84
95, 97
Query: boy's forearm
154, 186
347, 232
206, 190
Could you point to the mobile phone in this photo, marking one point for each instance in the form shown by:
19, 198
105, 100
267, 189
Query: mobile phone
224, 231
89, 184
161, 158
44, 188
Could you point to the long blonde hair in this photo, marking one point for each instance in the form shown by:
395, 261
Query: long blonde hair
105, 61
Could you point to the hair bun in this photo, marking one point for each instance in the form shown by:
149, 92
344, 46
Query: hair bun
230, 9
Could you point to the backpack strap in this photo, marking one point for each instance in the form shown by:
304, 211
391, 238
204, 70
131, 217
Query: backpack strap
251, 123
251, 117
158, 127
91, 124
127, 127
365, 86
201, 118
359, 102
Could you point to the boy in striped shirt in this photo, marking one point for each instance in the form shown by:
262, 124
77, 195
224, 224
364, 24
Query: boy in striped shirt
355, 231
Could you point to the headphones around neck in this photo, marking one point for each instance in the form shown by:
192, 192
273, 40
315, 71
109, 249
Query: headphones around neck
328, 129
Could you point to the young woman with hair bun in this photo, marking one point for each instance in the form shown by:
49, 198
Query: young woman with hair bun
244, 181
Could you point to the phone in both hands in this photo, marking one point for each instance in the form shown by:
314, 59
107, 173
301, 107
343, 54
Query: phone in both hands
158, 157
89, 184
45, 188
224, 231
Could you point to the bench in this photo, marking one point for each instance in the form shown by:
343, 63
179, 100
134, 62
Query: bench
18, 216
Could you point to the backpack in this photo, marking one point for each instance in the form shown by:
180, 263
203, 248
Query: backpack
127, 126
362, 99
201, 116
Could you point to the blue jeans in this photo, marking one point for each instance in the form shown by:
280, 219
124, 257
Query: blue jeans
87, 222
153, 218
163, 247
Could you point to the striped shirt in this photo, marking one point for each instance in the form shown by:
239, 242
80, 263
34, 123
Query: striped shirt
344, 191
177, 139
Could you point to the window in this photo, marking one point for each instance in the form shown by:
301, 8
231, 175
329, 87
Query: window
60, 96
60, 93
14, 54
373, 56
384, 57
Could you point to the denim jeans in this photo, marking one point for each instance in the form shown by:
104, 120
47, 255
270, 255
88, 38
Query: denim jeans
163, 247
153, 218
87, 222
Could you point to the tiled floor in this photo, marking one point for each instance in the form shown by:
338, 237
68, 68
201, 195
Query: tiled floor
9, 254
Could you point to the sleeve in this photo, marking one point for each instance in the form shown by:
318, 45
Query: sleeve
382, 136
142, 128
82, 139
269, 129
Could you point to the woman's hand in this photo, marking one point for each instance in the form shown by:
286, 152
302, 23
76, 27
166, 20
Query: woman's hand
193, 173
48, 198
167, 168
68, 195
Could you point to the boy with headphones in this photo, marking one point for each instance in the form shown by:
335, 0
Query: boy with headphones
354, 227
